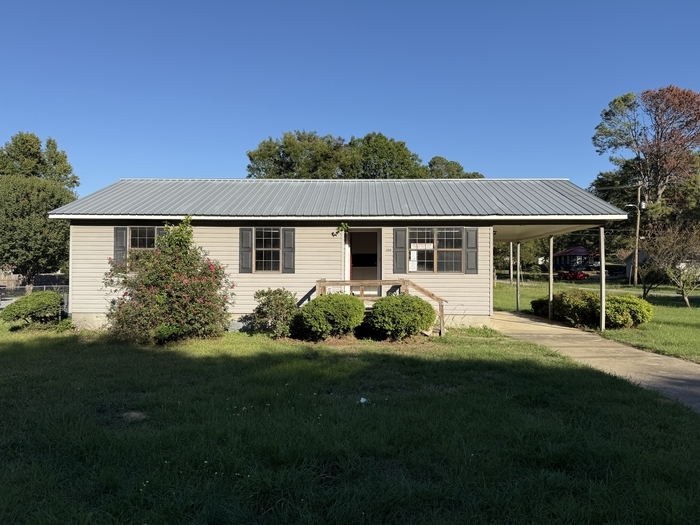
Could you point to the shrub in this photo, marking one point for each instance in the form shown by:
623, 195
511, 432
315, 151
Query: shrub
582, 309
64, 326
399, 316
540, 307
37, 307
636, 309
577, 307
274, 313
332, 314
172, 292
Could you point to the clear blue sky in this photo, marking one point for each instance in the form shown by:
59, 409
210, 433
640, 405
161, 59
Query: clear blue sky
184, 89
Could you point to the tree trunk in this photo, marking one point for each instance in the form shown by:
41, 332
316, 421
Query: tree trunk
687, 300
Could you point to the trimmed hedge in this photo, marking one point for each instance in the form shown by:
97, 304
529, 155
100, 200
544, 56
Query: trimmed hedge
627, 311
400, 316
326, 315
37, 307
581, 308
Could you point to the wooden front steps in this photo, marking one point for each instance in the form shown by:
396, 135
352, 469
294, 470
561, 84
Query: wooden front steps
383, 286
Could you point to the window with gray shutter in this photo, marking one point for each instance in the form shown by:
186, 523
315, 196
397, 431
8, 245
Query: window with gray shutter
120, 244
245, 250
471, 250
399, 250
287, 250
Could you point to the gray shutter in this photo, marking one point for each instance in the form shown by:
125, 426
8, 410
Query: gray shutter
471, 250
120, 244
399, 250
287, 250
245, 249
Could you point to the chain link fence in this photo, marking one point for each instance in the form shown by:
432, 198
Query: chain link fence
10, 294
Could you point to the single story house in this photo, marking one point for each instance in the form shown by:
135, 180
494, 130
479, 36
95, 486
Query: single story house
439, 234
572, 258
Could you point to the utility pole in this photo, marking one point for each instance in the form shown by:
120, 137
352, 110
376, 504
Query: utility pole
636, 237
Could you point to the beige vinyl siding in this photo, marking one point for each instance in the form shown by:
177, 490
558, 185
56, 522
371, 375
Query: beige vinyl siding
468, 295
318, 254
90, 250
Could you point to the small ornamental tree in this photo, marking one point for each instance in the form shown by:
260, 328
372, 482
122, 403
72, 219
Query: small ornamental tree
172, 292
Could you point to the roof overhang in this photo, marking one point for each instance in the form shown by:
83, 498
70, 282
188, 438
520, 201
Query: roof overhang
506, 229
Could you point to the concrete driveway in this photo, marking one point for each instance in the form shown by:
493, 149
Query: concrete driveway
677, 379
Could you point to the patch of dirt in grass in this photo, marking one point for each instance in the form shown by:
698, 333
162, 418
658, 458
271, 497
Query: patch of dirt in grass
134, 416
113, 416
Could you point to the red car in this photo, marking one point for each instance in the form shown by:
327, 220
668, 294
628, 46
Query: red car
573, 275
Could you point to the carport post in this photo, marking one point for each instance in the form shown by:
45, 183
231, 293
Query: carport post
510, 261
517, 281
602, 278
551, 277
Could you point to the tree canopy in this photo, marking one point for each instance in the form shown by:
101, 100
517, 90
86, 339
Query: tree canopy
25, 156
30, 243
441, 168
308, 155
654, 135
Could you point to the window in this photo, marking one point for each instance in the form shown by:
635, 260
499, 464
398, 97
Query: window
267, 249
134, 237
143, 237
435, 250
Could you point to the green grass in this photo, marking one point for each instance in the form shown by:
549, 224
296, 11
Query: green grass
674, 329
471, 428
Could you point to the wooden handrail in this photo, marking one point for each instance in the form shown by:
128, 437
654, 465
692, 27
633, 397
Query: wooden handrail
405, 285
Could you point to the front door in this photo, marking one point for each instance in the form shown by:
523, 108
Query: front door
364, 259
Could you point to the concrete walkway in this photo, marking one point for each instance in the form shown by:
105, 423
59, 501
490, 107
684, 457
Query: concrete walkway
677, 379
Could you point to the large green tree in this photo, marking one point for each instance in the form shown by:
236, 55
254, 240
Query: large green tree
441, 168
30, 243
25, 156
385, 158
302, 155
655, 134
308, 155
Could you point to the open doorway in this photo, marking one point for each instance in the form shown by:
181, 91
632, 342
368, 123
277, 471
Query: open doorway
364, 259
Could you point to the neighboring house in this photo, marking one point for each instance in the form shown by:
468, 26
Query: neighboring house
573, 258
284, 233
629, 261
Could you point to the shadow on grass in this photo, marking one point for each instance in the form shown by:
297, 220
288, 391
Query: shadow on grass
250, 430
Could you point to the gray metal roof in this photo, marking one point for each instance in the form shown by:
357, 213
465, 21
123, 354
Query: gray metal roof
341, 199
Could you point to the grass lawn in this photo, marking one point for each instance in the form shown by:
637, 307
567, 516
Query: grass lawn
674, 329
471, 428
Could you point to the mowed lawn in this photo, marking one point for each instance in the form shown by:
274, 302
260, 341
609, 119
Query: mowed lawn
471, 428
674, 330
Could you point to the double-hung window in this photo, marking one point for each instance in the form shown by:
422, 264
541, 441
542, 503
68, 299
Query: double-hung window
435, 250
134, 238
266, 249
